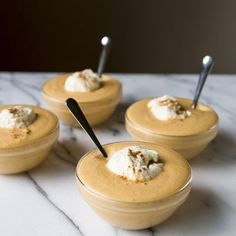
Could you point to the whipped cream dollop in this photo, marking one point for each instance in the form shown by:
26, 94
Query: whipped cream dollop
167, 108
17, 117
135, 163
83, 81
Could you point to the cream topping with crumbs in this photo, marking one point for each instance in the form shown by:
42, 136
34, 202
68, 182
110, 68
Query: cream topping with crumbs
135, 163
167, 108
17, 117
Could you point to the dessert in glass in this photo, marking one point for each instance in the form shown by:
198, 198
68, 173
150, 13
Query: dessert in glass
171, 122
138, 186
98, 97
27, 135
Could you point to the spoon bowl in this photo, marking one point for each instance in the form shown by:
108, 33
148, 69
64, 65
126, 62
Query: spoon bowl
79, 116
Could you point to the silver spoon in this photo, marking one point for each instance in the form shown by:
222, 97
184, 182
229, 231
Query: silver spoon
207, 64
77, 113
106, 45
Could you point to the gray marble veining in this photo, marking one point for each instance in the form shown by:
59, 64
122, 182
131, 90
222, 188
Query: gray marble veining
45, 201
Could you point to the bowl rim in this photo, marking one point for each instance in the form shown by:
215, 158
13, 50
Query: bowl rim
187, 184
54, 130
148, 131
61, 101
18, 149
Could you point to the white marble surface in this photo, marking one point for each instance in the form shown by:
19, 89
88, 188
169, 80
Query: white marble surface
45, 200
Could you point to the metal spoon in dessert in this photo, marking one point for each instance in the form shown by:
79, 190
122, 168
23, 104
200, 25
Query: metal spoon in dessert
106, 46
207, 64
77, 113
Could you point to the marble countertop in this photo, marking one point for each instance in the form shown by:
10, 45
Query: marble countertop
45, 200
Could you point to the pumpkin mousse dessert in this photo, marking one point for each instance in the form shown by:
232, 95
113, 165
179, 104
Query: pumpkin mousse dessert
27, 133
138, 186
98, 97
173, 123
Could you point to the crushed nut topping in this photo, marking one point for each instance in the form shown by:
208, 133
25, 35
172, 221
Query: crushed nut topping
174, 105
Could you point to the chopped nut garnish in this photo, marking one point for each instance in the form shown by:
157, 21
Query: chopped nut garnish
16, 136
27, 130
135, 153
151, 162
174, 105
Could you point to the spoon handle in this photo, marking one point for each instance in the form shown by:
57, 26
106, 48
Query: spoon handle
207, 64
106, 45
76, 111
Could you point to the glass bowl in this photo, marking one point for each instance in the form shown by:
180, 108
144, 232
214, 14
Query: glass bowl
188, 146
133, 215
24, 157
96, 109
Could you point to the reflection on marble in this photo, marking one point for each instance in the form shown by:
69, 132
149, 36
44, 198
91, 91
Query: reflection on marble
45, 201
